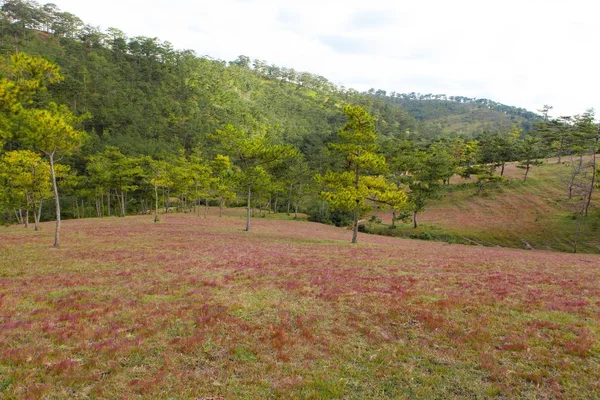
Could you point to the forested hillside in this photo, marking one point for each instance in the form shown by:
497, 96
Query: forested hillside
459, 115
108, 124
146, 97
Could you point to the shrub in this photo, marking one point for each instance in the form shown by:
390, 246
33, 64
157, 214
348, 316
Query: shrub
320, 212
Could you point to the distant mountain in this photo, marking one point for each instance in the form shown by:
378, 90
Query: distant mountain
440, 114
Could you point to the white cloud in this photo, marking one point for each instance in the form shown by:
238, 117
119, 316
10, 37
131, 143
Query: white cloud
522, 53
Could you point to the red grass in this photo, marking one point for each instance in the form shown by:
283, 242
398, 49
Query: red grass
197, 307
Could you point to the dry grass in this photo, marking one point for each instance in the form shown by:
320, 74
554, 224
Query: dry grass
193, 308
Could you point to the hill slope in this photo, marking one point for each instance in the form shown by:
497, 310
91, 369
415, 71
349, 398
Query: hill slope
147, 97
536, 213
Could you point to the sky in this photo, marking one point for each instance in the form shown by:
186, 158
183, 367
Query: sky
524, 53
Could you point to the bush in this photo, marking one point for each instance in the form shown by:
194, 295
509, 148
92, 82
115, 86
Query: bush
400, 231
320, 212
422, 236
342, 218
375, 219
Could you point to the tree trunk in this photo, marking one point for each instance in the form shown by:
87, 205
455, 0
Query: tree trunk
220, 207
168, 199
357, 207
37, 217
56, 200
578, 232
122, 203
16, 44
196, 208
205, 207
527, 166
394, 219
355, 225
155, 203
298, 201
27, 218
101, 205
574, 173
502, 170
415, 219
560, 149
248, 209
593, 183
275, 205
108, 202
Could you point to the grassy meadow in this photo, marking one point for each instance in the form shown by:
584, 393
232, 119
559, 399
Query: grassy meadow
197, 308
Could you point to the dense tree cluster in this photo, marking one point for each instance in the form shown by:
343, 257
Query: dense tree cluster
111, 125
464, 116
406, 98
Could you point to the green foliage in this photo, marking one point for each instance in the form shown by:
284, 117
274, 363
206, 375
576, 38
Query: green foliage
254, 153
111, 170
224, 179
498, 148
458, 115
464, 154
320, 211
530, 149
21, 80
25, 180
423, 170
114, 170
52, 130
488, 181
361, 184
47, 128
138, 122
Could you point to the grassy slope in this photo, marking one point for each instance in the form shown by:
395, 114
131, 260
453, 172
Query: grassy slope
536, 212
195, 307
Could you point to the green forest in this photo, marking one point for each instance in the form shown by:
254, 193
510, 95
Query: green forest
95, 124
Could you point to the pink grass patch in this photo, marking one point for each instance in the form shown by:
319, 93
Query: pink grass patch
141, 316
